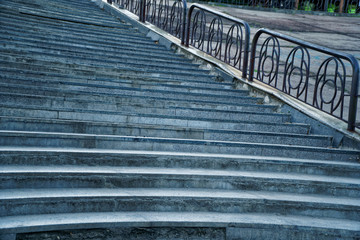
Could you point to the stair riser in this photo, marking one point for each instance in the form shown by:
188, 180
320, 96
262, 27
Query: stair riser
13, 74
117, 103
153, 120
106, 70
124, 37
174, 204
87, 63
147, 160
124, 85
141, 180
93, 108
147, 144
182, 133
38, 23
88, 47
85, 52
54, 16
67, 33
103, 93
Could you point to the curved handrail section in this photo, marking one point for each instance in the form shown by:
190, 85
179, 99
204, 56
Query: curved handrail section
319, 80
219, 35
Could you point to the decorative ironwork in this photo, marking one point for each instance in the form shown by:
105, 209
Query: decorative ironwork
226, 38
330, 86
198, 30
296, 74
209, 36
178, 19
325, 89
269, 61
234, 46
215, 37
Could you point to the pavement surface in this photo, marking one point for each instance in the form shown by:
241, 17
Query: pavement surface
337, 32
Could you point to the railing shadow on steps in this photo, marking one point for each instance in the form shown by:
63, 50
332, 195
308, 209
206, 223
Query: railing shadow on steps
311, 73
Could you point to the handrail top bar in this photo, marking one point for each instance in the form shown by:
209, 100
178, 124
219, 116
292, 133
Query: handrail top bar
220, 14
312, 46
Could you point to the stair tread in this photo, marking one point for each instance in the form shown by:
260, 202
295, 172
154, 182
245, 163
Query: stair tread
130, 138
138, 153
155, 171
154, 126
66, 193
186, 219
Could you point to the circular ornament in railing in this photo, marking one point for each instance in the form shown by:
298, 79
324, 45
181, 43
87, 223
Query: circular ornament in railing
330, 86
215, 35
234, 46
268, 65
296, 74
176, 18
163, 14
150, 9
198, 30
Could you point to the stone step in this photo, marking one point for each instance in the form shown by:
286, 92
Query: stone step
38, 24
51, 177
8, 44
137, 143
64, 8
54, 59
46, 15
112, 68
110, 71
126, 101
43, 125
66, 38
72, 34
141, 106
170, 120
88, 111
11, 78
77, 200
86, 91
13, 75
87, 46
121, 158
235, 225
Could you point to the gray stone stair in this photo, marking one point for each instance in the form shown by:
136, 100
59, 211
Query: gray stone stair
104, 128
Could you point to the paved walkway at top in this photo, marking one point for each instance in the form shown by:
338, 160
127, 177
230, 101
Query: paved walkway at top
336, 32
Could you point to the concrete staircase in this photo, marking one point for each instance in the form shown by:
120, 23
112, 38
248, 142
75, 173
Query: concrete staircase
105, 130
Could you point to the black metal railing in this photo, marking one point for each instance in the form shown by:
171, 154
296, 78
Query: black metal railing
159, 12
172, 18
320, 77
221, 36
313, 74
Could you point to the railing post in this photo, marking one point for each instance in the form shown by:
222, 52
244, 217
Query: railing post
252, 54
354, 94
246, 51
188, 22
142, 11
183, 34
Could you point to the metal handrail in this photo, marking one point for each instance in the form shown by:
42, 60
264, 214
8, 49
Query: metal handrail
297, 64
171, 19
321, 80
232, 43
